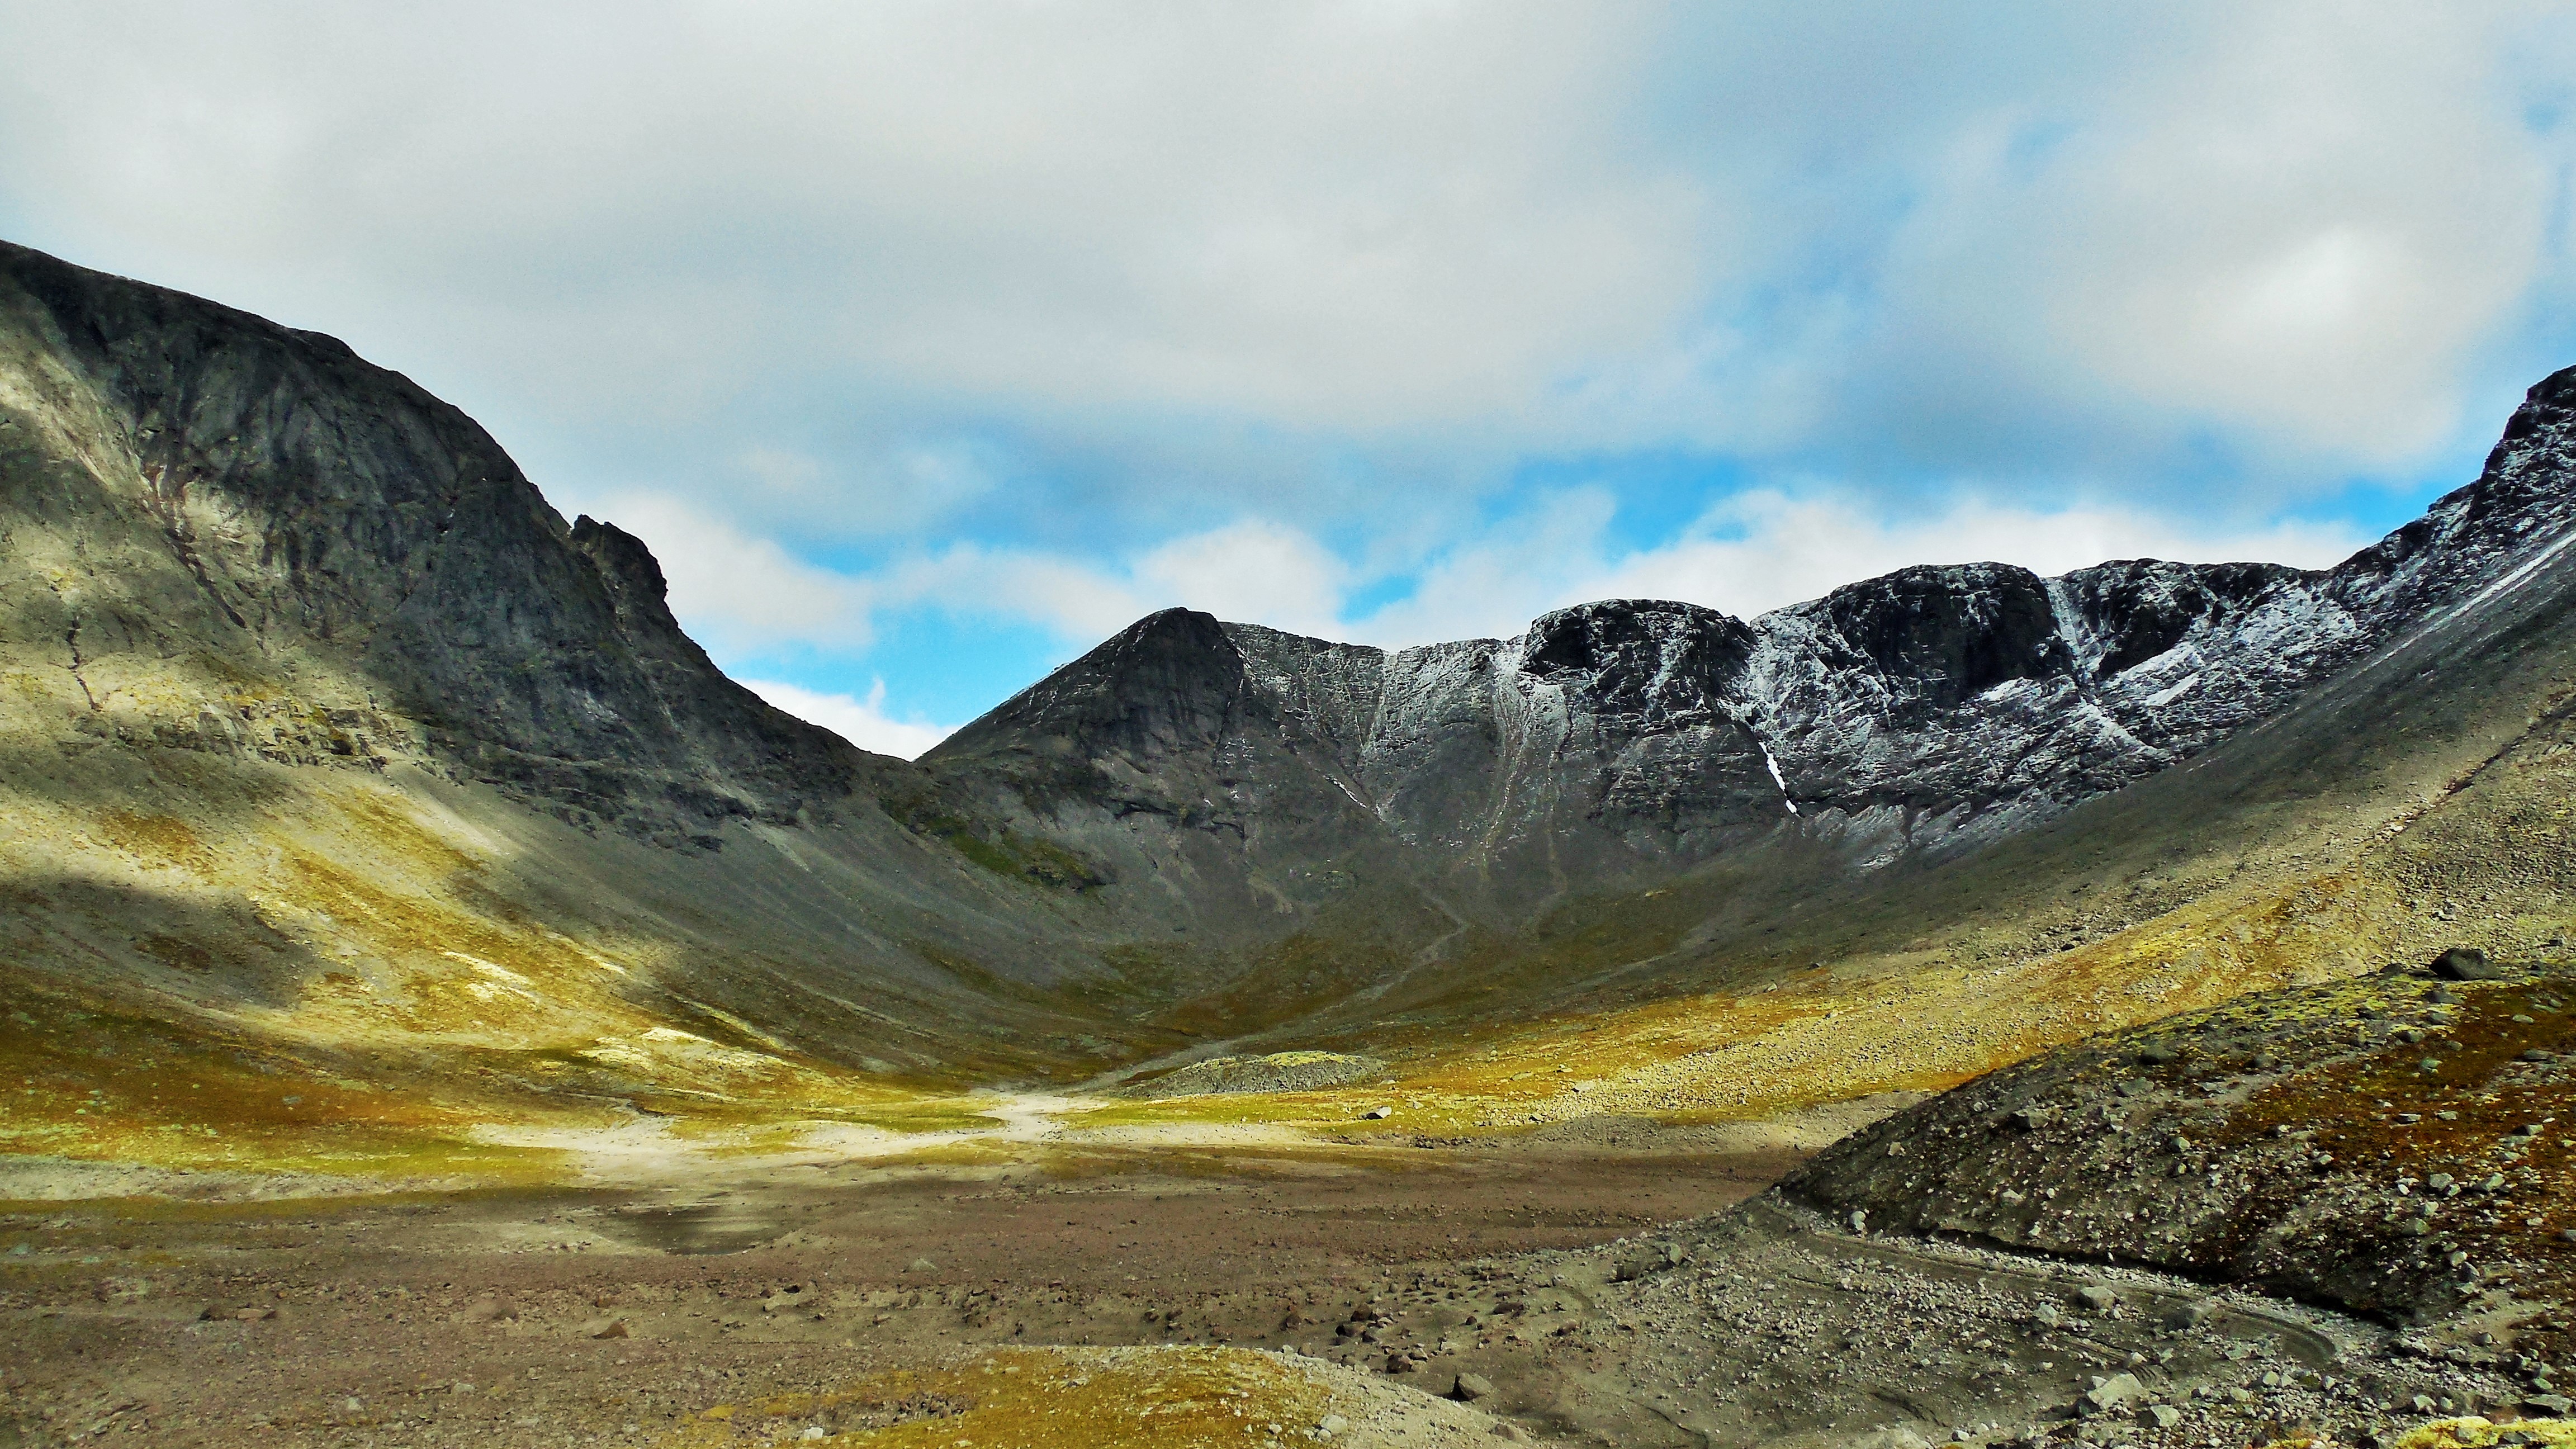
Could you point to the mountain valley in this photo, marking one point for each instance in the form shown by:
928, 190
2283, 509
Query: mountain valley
443, 1005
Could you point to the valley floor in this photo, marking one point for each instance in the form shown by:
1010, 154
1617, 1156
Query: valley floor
767, 1292
1077, 1288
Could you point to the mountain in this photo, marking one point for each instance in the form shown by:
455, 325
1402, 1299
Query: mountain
323, 729
331, 748
1235, 774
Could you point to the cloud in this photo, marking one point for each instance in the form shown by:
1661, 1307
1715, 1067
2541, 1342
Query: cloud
927, 257
863, 722
1763, 549
746, 595
1252, 570
2292, 233
1753, 551
1051, 315
737, 592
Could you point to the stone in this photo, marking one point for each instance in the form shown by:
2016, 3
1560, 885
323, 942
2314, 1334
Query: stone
2555, 1406
604, 1328
2466, 963
1509, 1433
2163, 1416
1377, 1114
922, 1265
1471, 1387
1329, 1425
2098, 1298
2114, 1391
2189, 1315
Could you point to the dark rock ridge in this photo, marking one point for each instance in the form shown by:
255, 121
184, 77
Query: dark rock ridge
323, 535
1918, 714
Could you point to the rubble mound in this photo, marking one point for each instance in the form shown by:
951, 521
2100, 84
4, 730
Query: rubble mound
1277, 1072
2396, 1145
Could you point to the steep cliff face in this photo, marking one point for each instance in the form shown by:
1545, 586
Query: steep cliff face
231, 532
1915, 715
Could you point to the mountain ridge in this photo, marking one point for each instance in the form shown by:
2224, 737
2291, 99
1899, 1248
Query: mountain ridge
258, 569
1922, 713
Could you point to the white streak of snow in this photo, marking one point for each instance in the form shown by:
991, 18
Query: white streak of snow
1778, 779
2168, 696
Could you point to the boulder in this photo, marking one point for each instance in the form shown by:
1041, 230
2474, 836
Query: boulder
2466, 963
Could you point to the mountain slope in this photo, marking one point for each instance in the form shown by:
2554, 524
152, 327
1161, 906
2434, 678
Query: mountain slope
202, 499
325, 738
323, 735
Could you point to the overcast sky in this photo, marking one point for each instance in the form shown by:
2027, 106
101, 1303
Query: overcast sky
928, 343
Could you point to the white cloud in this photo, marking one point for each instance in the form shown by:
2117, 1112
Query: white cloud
1254, 571
1477, 229
1345, 215
735, 591
2294, 233
1753, 551
1762, 549
863, 722
1066, 313
746, 595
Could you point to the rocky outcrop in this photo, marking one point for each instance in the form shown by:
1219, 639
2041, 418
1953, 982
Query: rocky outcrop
2391, 1145
308, 555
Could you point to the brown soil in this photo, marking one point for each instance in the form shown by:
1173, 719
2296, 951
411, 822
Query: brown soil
365, 1321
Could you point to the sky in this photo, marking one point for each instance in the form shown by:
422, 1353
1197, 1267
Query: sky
928, 344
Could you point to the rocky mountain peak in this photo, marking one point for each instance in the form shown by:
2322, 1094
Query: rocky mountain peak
322, 534
1942, 633
1922, 712
628, 568
1169, 683
1650, 660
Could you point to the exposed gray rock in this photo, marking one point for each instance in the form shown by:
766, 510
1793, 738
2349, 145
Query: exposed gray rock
1298, 1071
280, 505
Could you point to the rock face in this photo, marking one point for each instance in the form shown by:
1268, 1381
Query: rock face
231, 534
1919, 714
